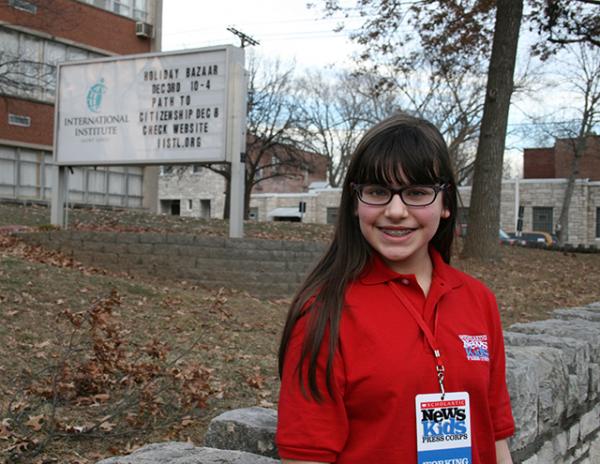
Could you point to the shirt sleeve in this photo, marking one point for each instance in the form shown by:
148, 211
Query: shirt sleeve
309, 430
499, 399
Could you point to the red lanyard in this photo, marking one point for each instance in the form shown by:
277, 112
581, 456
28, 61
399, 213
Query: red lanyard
439, 364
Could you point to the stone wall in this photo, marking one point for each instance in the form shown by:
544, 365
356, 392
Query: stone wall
262, 267
553, 375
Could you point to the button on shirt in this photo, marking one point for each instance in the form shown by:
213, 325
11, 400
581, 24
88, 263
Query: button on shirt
384, 361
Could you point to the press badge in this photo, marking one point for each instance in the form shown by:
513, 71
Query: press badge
443, 428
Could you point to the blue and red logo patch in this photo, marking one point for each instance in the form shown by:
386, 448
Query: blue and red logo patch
476, 347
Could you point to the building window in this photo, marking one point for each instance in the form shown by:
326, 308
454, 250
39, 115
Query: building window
165, 170
332, 215
19, 120
122, 7
190, 205
205, 209
23, 5
136, 9
597, 222
542, 219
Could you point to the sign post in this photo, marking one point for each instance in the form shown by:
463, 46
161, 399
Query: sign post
185, 107
238, 148
59, 196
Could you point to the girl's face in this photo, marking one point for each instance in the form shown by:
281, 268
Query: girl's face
400, 233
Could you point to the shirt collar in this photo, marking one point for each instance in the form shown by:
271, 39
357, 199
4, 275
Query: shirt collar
377, 272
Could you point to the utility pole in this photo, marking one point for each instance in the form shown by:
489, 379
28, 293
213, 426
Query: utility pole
245, 39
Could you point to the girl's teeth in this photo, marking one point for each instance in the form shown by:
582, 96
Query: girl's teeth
398, 233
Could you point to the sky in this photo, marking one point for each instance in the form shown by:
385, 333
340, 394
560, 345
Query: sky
285, 29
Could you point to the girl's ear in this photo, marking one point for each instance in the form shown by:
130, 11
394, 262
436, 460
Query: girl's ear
445, 213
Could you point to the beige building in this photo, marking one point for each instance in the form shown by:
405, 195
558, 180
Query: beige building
540, 200
201, 194
541, 203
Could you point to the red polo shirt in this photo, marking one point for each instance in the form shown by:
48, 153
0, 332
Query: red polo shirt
384, 361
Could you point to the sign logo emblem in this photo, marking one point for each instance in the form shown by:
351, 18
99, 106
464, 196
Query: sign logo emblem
95, 95
476, 347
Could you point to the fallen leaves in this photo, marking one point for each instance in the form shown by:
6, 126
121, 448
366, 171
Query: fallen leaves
35, 422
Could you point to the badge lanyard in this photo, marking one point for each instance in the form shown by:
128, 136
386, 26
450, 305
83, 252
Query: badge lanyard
439, 364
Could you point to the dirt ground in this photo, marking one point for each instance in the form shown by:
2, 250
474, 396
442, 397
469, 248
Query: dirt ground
233, 335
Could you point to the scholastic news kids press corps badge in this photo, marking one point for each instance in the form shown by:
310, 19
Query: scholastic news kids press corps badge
443, 428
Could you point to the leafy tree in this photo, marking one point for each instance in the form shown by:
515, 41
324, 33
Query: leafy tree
562, 22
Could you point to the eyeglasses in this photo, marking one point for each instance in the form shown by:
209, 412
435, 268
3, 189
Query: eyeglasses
411, 195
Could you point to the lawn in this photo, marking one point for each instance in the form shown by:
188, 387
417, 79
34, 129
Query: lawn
79, 347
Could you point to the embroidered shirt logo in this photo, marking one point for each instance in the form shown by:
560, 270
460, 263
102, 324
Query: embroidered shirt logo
476, 347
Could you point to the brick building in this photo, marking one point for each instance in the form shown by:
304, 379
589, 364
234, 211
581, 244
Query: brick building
36, 35
555, 162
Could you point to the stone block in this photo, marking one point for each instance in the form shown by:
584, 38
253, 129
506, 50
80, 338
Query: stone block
94, 246
117, 248
588, 331
183, 239
128, 238
211, 242
595, 448
186, 453
532, 460
594, 392
546, 454
248, 429
559, 444
523, 386
575, 352
165, 249
139, 248
553, 380
590, 422
585, 313
573, 436
153, 237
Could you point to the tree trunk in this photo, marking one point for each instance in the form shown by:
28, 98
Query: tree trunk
247, 196
484, 211
563, 221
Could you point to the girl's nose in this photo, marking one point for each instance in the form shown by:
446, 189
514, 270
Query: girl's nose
396, 207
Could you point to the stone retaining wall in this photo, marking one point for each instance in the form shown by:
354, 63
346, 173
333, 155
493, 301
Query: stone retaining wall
271, 268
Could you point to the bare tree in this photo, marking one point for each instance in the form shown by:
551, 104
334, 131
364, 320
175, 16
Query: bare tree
334, 113
452, 101
272, 147
582, 79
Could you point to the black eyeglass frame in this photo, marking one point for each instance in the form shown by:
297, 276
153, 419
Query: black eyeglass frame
437, 188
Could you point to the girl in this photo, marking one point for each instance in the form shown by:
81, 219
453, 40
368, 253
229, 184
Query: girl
389, 355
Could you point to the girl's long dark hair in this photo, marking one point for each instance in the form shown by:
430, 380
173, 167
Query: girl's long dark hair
399, 149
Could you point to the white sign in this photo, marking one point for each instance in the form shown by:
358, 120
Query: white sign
165, 108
